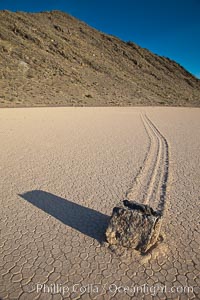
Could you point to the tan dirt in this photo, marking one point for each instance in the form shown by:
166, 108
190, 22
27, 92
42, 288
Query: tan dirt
62, 170
53, 59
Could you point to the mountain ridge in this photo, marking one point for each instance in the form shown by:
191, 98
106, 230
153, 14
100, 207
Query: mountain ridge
52, 58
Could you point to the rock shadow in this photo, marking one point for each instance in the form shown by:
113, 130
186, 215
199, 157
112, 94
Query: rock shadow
86, 220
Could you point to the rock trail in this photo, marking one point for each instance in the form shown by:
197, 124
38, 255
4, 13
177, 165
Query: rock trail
62, 170
149, 186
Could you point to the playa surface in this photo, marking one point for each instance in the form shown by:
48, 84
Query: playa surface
62, 170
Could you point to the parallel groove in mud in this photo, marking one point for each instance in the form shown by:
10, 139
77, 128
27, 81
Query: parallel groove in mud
82, 162
150, 183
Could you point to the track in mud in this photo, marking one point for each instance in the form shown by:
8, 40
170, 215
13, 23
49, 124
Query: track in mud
149, 186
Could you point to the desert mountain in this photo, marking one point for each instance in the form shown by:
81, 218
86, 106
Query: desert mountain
51, 58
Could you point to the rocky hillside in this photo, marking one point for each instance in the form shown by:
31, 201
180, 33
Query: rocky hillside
51, 58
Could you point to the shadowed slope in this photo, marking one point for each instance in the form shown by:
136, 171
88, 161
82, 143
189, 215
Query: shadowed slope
51, 58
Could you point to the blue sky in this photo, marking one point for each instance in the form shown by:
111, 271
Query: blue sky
167, 27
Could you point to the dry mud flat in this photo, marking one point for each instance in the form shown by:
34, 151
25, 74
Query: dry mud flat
61, 172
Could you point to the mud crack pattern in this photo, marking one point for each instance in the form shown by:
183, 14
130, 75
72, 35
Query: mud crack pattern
62, 170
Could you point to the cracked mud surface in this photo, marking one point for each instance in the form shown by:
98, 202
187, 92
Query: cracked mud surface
62, 170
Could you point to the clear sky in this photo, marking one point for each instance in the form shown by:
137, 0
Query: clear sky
167, 27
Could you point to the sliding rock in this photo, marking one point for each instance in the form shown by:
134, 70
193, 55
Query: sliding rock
134, 225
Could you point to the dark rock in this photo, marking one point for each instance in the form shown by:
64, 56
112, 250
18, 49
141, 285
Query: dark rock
134, 225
